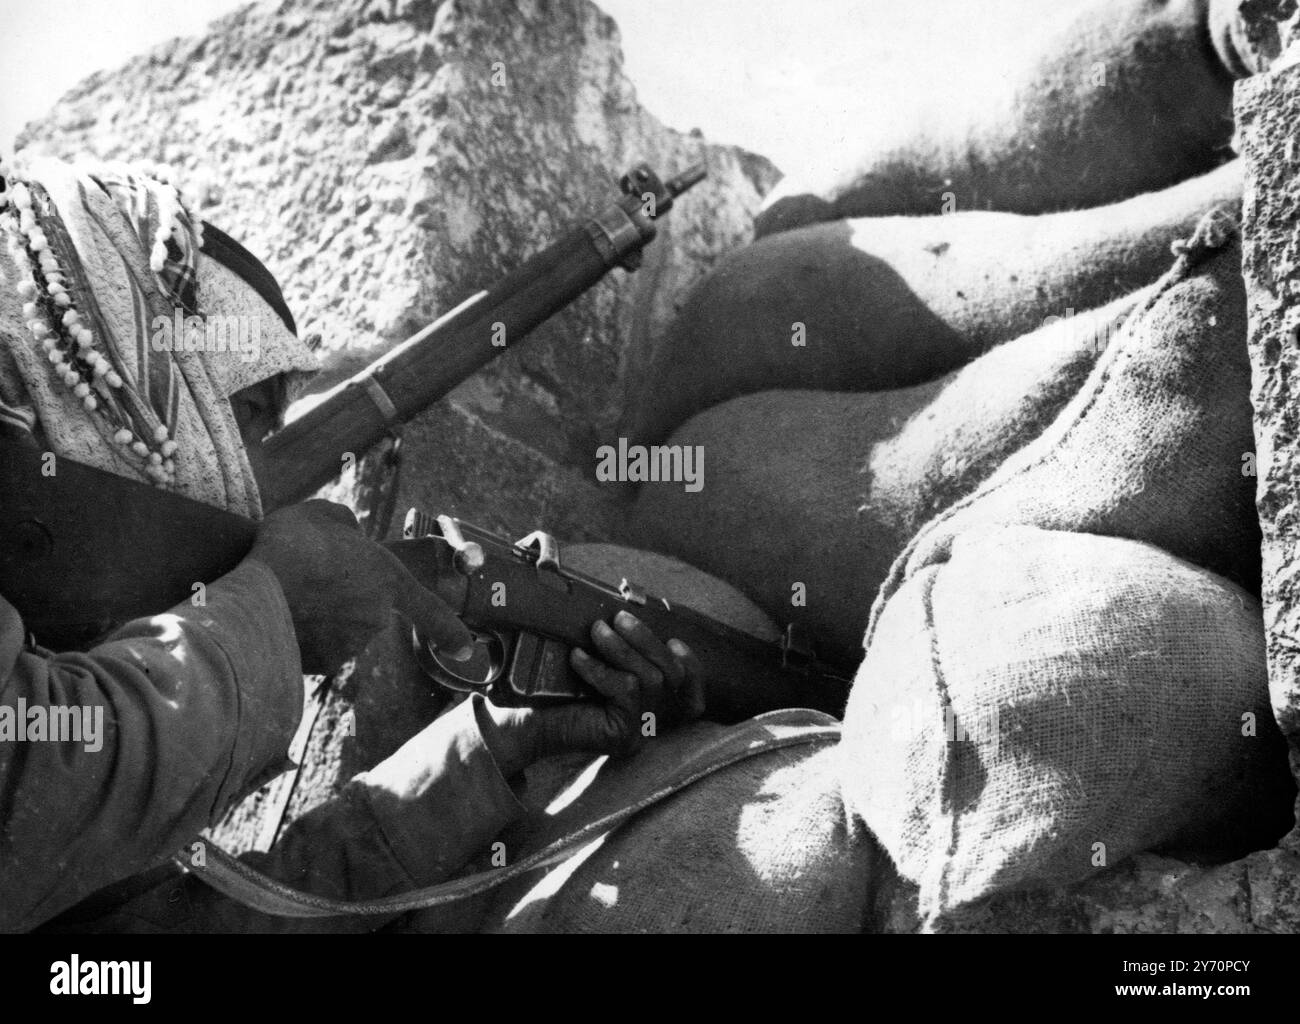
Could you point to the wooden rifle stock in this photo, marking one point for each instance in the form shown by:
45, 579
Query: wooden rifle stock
308, 452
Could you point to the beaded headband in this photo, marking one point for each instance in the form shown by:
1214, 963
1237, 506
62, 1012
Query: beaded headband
72, 331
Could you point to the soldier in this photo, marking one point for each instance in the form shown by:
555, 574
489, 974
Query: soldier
200, 703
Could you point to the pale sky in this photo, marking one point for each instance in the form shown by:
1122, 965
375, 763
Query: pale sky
778, 76
47, 46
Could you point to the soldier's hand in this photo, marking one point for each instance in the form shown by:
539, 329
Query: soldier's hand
342, 588
648, 687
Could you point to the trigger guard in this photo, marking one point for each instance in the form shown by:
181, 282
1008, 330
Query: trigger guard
445, 674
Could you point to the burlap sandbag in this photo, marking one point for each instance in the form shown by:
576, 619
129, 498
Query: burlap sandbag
1040, 705
826, 489
892, 302
1154, 444
668, 577
1109, 98
762, 846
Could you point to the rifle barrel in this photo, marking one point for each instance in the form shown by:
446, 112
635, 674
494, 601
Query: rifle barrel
308, 453
689, 178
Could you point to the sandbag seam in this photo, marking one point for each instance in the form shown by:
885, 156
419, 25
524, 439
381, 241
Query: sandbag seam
945, 708
1211, 234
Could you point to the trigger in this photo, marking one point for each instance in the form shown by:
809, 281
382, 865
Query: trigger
472, 676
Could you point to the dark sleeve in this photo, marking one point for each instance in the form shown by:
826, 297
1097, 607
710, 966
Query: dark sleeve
112, 760
414, 820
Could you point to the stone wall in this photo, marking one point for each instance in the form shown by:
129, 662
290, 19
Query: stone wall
1268, 113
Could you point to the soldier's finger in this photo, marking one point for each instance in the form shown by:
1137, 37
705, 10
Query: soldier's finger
619, 688
428, 613
691, 694
642, 639
619, 653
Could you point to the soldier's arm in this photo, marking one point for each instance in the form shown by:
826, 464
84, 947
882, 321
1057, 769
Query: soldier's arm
196, 708
159, 729
422, 814
412, 821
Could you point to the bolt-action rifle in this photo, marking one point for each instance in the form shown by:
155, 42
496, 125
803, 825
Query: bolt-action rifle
307, 453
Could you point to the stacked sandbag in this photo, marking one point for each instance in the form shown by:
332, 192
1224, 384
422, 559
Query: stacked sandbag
764, 845
662, 576
1127, 97
809, 497
1154, 446
890, 302
1038, 705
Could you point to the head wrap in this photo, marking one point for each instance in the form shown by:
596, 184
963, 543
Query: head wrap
121, 341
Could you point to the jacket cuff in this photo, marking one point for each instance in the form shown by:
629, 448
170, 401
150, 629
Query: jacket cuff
441, 798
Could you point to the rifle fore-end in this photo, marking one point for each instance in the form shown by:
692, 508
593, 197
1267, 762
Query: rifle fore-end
526, 609
313, 449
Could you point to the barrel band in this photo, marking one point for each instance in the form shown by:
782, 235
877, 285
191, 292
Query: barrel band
614, 234
380, 397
